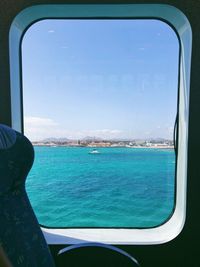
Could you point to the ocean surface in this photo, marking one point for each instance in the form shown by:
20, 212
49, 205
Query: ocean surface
120, 187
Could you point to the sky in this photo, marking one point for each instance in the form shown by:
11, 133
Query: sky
112, 79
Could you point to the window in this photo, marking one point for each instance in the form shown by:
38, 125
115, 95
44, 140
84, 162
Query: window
107, 90
103, 84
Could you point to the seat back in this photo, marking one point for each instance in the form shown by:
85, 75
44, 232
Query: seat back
95, 254
20, 234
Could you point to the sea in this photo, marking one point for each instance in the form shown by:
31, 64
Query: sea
119, 187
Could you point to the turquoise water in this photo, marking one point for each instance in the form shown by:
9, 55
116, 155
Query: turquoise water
120, 187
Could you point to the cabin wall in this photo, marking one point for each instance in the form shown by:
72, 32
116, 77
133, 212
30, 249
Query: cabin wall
184, 250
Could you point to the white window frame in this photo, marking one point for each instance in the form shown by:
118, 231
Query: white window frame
173, 16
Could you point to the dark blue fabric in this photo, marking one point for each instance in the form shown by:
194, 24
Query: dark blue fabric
20, 234
7, 137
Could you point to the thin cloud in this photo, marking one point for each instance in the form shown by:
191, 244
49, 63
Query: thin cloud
38, 121
39, 128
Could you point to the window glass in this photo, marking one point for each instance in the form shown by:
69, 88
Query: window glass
100, 102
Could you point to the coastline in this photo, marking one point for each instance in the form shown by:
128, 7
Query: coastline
106, 146
92, 143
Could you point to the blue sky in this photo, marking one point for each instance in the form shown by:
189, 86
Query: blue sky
103, 78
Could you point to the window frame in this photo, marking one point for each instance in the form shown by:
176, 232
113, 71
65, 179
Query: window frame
178, 21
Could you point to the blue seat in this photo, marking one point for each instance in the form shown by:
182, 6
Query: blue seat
20, 235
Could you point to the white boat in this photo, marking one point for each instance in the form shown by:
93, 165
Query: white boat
94, 151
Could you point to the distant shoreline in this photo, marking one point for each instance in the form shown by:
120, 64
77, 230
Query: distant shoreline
132, 147
91, 143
